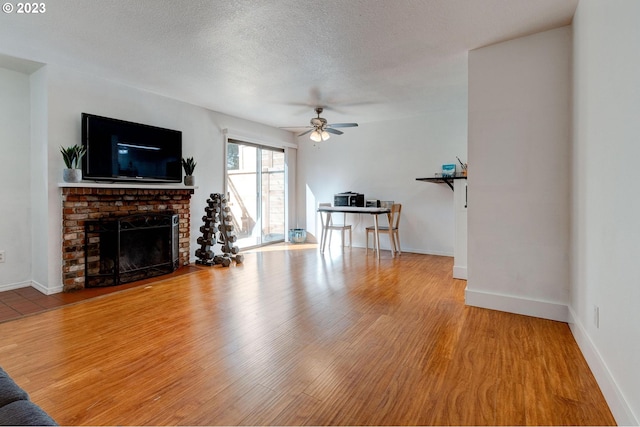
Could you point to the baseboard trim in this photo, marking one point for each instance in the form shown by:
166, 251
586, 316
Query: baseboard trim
511, 304
459, 272
32, 284
45, 290
14, 286
615, 399
426, 252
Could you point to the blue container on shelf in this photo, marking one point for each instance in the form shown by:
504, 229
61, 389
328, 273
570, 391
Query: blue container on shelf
297, 235
449, 170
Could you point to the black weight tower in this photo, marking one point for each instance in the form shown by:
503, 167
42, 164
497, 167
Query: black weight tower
217, 221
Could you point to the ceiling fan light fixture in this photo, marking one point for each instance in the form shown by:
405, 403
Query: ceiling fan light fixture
315, 136
319, 135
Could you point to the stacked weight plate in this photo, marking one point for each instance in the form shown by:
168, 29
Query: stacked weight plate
218, 220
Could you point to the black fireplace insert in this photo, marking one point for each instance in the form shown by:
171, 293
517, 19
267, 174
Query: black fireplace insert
129, 248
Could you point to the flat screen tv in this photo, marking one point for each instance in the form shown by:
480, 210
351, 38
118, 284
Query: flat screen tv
118, 150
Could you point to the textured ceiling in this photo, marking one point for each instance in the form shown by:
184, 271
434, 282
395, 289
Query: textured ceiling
272, 61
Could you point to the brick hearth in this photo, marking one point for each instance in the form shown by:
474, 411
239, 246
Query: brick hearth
88, 203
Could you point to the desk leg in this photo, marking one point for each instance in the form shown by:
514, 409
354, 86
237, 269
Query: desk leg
377, 236
392, 241
325, 232
322, 232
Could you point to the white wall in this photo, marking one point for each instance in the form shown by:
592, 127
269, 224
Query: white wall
606, 207
519, 169
15, 209
383, 160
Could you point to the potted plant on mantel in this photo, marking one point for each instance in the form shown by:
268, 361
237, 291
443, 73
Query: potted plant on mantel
189, 165
72, 157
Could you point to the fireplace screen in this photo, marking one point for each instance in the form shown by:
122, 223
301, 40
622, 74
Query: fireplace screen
126, 249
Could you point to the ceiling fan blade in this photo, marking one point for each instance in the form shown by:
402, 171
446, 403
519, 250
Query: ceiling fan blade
333, 131
342, 125
304, 133
295, 127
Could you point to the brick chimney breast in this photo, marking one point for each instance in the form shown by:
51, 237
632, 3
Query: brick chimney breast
89, 203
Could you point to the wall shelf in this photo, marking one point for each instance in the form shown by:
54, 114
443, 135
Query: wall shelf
442, 180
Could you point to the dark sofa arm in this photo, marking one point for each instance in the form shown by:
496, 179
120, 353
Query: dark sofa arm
15, 407
24, 413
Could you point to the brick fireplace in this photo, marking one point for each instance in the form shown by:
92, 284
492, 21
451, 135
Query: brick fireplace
95, 201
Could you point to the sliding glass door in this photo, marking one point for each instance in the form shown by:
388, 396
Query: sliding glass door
256, 187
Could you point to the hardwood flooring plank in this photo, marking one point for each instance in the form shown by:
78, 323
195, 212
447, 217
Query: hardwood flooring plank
296, 413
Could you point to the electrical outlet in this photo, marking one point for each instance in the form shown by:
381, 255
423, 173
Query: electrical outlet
2, 259
596, 316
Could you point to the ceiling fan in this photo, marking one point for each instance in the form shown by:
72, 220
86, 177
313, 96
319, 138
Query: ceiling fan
320, 129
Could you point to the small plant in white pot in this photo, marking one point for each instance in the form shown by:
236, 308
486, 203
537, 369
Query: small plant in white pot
189, 165
72, 157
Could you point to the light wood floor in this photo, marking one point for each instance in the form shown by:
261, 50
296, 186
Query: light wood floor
292, 337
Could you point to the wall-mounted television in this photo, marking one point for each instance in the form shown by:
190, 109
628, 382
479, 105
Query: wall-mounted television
118, 150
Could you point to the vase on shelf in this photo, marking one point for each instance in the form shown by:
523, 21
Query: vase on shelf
72, 175
189, 180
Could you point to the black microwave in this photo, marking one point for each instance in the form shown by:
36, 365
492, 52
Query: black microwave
348, 199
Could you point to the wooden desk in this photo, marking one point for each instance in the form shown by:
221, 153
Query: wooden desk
328, 210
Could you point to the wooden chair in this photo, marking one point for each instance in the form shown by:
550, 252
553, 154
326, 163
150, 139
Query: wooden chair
391, 230
330, 226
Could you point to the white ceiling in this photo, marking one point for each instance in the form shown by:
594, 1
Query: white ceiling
272, 61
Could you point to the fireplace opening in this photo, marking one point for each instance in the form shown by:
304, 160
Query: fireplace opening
135, 247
